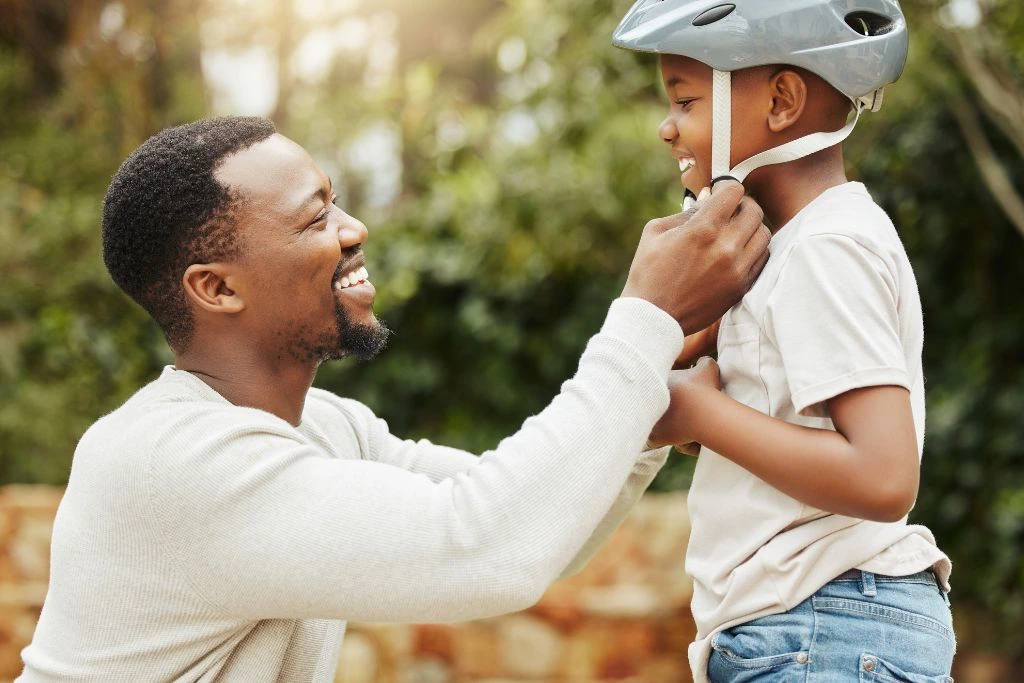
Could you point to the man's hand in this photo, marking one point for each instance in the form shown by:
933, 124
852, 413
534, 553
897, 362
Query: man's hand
697, 264
685, 388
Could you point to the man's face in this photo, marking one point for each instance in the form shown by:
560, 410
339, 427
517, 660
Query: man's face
300, 271
687, 128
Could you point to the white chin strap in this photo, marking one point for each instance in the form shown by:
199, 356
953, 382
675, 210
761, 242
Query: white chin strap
721, 136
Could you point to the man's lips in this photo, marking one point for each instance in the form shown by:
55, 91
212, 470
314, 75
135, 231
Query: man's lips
351, 278
350, 273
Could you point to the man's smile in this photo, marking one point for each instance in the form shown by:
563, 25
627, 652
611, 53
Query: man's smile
352, 278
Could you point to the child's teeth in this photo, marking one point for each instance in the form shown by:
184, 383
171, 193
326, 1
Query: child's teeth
685, 165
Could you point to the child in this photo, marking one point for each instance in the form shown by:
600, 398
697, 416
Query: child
803, 563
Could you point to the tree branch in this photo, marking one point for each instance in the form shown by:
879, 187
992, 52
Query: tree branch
992, 171
1003, 104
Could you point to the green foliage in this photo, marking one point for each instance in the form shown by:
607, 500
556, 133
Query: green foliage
529, 163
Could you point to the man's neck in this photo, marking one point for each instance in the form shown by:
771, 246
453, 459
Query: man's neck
245, 378
783, 190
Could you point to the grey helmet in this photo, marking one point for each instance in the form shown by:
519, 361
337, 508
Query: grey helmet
857, 46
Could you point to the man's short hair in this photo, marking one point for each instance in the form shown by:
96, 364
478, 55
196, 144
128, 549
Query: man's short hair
164, 211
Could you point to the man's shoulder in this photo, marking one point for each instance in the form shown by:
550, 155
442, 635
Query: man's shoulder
169, 418
324, 404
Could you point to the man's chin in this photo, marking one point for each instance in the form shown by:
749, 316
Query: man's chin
361, 340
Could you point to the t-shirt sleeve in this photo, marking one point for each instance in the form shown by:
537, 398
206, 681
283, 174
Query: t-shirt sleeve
833, 315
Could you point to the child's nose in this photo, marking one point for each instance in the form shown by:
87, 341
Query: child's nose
667, 130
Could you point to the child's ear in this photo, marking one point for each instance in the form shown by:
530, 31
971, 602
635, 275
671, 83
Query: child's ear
208, 285
789, 98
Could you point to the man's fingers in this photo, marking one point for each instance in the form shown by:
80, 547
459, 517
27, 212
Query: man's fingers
760, 238
749, 214
723, 200
756, 267
666, 223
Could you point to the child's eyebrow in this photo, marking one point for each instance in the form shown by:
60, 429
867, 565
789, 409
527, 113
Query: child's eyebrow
675, 80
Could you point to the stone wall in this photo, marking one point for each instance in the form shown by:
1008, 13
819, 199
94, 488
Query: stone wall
624, 618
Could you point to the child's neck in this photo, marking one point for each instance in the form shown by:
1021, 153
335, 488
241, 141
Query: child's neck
783, 190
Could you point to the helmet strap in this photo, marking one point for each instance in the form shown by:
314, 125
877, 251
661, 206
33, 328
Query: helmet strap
721, 123
721, 134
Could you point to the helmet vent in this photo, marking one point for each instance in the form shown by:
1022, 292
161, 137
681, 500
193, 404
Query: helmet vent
714, 14
869, 23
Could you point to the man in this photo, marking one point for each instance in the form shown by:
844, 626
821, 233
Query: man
225, 521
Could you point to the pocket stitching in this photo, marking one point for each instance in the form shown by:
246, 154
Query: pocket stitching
884, 677
771, 662
894, 614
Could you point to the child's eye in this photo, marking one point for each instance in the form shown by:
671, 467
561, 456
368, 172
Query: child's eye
684, 104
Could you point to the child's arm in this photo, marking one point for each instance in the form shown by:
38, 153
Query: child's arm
868, 468
702, 343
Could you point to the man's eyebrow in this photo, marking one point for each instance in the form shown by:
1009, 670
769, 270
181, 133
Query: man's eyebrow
320, 194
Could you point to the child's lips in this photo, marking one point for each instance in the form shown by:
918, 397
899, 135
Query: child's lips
686, 165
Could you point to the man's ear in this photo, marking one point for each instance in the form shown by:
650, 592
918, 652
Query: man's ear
208, 285
789, 98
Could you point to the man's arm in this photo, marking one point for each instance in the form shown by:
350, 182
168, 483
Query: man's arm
264, 526
441, 462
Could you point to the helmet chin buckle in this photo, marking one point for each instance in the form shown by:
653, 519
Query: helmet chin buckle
872, 101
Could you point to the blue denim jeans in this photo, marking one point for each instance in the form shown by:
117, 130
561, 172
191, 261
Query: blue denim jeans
867, 627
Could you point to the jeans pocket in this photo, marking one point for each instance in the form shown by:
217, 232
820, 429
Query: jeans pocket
876, 670
753, 648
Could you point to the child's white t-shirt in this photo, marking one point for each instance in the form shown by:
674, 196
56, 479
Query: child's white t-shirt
835, 309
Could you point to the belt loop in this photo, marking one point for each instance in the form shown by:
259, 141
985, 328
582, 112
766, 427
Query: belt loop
867, 584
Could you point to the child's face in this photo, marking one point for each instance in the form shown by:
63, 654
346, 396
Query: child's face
687, 128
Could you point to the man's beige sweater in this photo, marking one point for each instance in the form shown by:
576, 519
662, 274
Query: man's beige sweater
202, 541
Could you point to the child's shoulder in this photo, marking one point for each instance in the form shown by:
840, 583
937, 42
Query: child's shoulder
847, 211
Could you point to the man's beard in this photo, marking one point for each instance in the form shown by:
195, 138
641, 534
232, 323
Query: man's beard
362, 340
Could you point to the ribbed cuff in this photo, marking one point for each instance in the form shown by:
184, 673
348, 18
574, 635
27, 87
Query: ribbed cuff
647, 328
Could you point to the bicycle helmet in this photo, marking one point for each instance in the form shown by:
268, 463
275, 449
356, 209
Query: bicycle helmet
857, 46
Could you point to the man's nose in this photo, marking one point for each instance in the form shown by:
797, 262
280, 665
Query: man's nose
667, 130
352, 232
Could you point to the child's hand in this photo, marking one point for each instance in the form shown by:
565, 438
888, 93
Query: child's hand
685, 388
698, 344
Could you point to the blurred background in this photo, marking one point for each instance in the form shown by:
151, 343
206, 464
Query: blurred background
505, 159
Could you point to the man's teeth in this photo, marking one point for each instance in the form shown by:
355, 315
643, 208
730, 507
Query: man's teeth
352, 279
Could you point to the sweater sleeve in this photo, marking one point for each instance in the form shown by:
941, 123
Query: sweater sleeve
263, 526
441, 462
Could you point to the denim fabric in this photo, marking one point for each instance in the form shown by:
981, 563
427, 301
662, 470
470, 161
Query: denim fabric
868, 629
